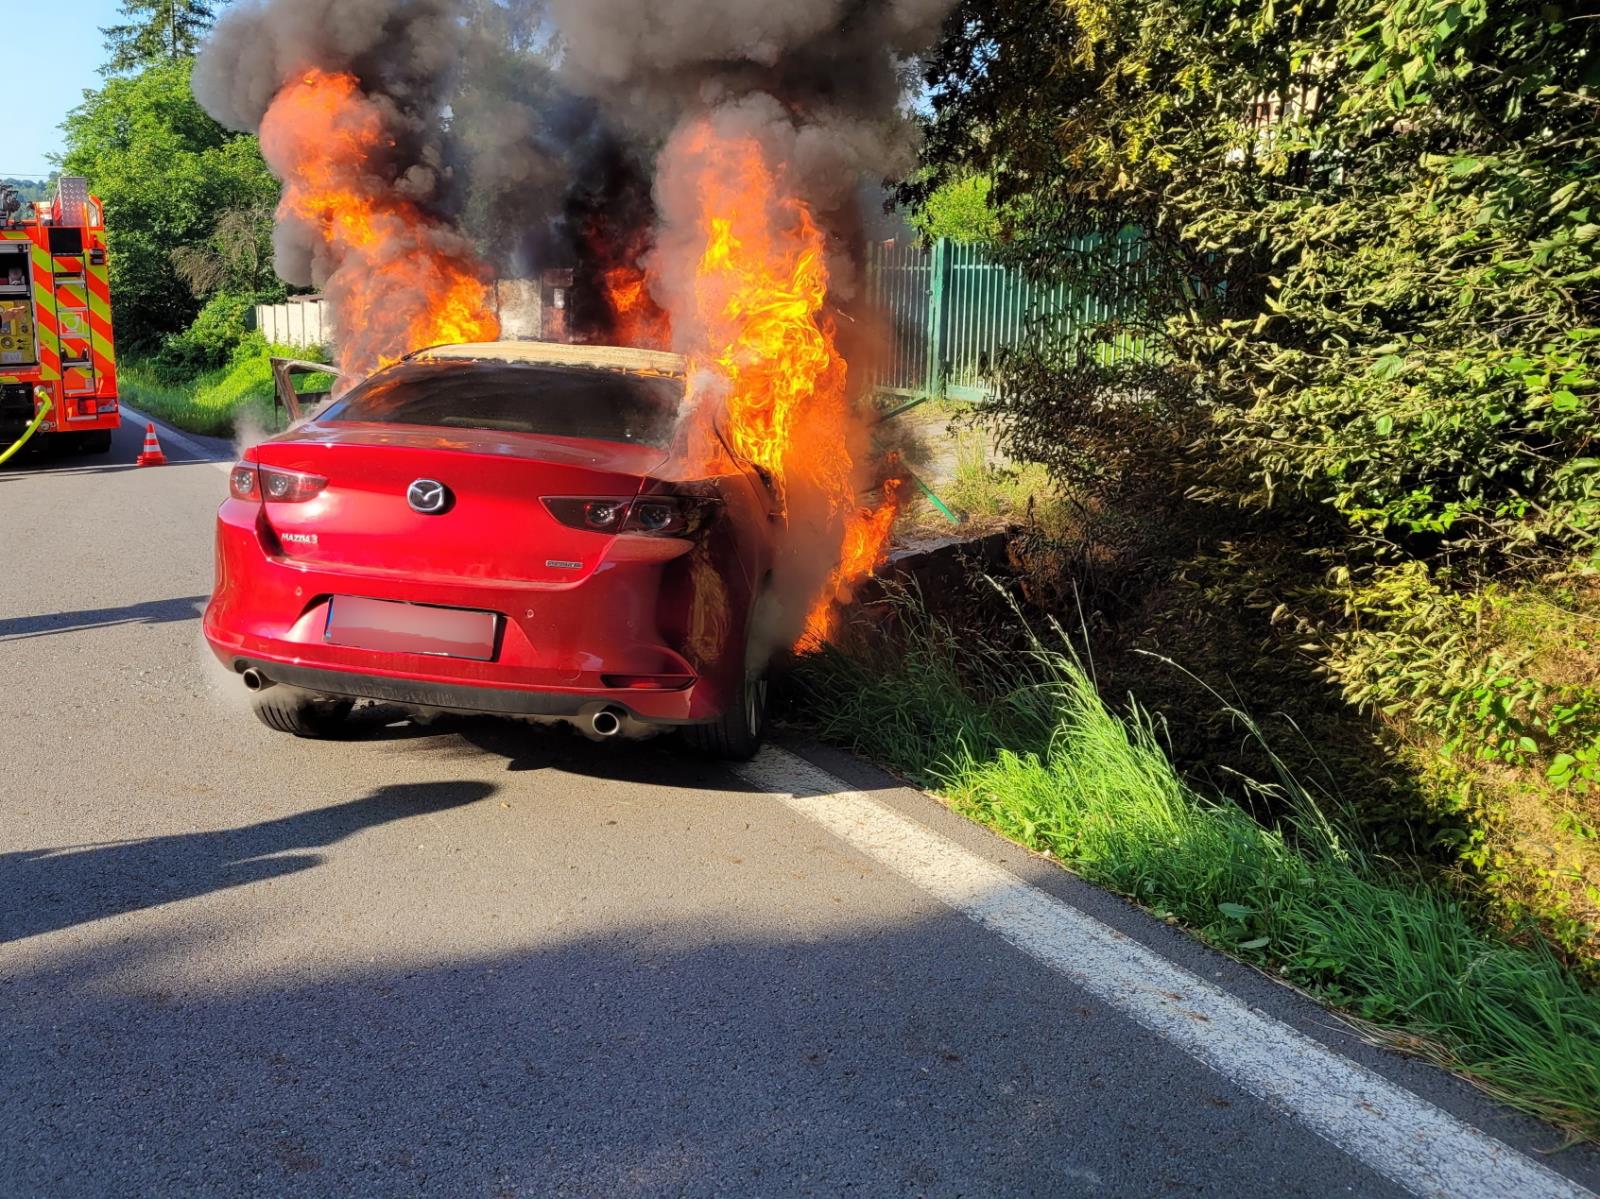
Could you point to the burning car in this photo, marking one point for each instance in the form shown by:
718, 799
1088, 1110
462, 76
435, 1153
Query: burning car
511, 528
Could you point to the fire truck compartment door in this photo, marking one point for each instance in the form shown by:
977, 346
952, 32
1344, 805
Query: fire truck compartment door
16, 306
16, 333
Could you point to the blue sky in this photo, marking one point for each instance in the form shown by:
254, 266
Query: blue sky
53, 51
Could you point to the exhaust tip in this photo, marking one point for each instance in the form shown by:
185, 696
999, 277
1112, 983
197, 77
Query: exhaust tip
607, 722
254, 680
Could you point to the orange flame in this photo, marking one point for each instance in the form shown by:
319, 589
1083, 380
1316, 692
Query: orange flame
760, 296
865, 548
637, 320
400, 279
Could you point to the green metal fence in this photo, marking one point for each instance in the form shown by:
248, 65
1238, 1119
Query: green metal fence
949, 309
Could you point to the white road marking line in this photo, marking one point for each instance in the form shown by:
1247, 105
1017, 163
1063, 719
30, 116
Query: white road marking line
1401, 1135
167, 433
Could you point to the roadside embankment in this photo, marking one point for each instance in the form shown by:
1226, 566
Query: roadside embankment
1014, 733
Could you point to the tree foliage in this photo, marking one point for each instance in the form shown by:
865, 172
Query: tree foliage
1371, 288
167, 172
32, 191
156, 31
960, 211
1375, 234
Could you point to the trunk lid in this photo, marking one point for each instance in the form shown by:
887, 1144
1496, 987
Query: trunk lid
494, 527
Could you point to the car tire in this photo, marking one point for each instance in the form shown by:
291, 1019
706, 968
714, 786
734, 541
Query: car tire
98, 441
286, 710
738, 733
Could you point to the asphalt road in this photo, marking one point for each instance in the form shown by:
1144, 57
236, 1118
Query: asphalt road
474, 958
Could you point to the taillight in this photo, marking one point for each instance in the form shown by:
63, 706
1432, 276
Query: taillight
670, 515
650, 515
243, 482
647, 682
247, 481
596, 515
289, 486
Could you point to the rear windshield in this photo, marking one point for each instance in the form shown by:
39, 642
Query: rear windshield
562, 401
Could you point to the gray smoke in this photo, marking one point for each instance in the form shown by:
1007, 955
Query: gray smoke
485, 138
408, 50
533, 124
837, 67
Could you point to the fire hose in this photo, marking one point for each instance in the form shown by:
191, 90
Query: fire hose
38, 419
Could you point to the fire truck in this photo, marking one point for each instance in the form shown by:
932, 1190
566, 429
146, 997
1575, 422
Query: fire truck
55, 321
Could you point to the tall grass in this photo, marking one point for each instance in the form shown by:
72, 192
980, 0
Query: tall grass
1023, 741
218, 402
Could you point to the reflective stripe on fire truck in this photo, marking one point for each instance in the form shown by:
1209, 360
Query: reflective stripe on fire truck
44, 306
101, 344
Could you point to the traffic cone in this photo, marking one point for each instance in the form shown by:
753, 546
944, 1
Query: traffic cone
152, 455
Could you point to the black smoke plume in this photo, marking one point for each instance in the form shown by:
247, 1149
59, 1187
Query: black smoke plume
534, 124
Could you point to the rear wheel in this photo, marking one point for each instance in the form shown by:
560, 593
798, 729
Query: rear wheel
738, 733
287, 710
97, 441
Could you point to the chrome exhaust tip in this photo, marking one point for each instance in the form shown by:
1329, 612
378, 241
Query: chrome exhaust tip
254, 680
607, 722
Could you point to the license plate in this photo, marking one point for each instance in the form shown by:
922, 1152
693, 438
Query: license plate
390, 627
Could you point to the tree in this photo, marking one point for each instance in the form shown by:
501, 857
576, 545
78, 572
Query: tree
959, 210
1374, 245
167, 174
156, 31
31, 191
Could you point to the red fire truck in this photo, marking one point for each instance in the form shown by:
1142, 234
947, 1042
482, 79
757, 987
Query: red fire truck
55, 321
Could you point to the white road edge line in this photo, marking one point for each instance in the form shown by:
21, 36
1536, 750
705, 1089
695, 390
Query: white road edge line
168, 433
1401, 1135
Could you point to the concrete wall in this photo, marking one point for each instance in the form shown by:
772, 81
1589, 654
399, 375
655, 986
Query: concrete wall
521, 304
303, 323
517, 303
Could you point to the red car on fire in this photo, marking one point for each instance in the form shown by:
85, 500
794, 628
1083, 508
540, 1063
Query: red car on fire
511, 528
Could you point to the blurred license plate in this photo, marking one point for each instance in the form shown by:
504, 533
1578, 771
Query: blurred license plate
410, 628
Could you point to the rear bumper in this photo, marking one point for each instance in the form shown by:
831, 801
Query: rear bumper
455, 697
561, 651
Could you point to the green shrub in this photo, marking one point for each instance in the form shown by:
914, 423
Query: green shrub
211, 339
960, 211
1498, 690
218, 402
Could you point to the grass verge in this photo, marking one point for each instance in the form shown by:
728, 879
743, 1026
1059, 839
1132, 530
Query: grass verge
218, 402
1022, 741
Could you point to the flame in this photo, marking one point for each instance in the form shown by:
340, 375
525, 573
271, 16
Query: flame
399, 279
762, 327
636, 318
865, 548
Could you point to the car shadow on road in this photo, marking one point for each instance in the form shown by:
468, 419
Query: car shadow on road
20, 628
42, 890
682, 1057
661, 761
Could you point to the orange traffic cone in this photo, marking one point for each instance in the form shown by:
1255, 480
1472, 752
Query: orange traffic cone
152, 455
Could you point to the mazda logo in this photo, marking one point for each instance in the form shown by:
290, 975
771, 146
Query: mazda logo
428, 496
